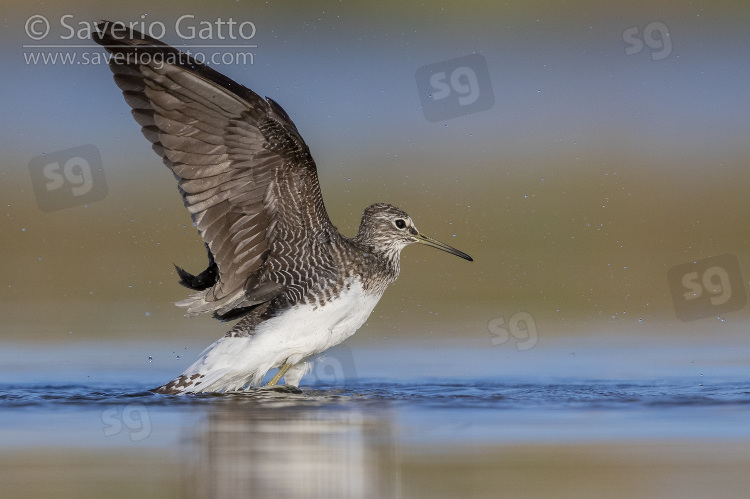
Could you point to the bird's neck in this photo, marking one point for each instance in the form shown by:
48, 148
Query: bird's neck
389, 268
381, 264
392, 257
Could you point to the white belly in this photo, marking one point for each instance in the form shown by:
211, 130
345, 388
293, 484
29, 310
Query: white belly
307, 330
293, 337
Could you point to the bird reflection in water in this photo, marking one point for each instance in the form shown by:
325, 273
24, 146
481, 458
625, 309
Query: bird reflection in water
292, 452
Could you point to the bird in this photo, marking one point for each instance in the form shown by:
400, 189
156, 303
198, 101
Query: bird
276, 262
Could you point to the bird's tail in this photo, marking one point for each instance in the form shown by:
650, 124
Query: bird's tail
229, 364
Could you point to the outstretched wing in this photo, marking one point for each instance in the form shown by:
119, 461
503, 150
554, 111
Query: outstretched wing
244, 172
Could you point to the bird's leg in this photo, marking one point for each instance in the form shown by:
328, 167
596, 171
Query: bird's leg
279, 375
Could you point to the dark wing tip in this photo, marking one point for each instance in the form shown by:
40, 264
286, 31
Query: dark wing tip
115, 34
130, 45
276, 108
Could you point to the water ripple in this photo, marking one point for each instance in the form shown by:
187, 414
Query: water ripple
475, 394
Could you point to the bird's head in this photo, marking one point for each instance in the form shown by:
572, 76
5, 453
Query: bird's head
389, 229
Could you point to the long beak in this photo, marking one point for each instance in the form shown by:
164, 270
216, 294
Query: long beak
442, 246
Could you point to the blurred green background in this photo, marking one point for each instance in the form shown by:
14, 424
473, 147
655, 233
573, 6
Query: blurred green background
593, 173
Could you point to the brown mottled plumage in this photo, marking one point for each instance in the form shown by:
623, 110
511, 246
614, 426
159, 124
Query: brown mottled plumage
251, 186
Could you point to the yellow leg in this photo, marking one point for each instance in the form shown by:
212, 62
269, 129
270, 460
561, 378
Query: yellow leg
279, 375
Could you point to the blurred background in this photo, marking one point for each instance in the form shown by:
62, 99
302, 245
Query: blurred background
591, 175
606, 143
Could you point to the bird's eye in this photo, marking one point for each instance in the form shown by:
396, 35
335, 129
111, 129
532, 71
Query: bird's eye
400, 224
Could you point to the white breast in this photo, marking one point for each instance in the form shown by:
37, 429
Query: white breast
307, 330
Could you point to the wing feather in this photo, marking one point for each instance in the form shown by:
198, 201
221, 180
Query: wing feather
245, 173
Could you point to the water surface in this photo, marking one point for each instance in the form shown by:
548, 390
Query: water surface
364, 423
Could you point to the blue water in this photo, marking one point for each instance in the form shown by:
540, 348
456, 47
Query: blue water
87, 395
